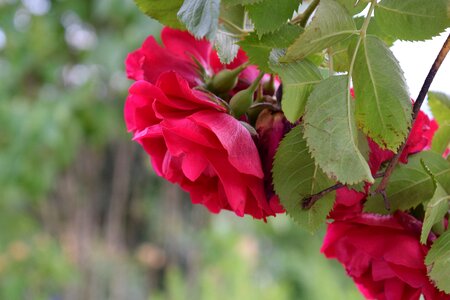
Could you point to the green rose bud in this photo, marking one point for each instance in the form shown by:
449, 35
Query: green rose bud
225, 80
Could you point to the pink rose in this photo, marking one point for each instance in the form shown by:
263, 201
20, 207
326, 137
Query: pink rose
383, 255
194, 142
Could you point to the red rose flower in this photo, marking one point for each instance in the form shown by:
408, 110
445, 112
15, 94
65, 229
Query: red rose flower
348, 204
151, 60
194, 142
421, 136
184, 54
383, 255
419, 139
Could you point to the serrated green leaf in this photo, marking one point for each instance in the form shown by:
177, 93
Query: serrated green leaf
258, 49
438, 262
339, 52
435, 211
299, 79
233, 18
226, 46
440, 107
350, 6
231, 25
374, 29
330, 25
383, 107
295, 177
430, 173
269, 15
331, 133
201, 17
410, 185
162, 11
412, 20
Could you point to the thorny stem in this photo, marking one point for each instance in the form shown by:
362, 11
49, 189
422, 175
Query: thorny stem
381, 189
307, 203
303, 18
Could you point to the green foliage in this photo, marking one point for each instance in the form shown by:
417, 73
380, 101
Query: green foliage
374, 29
438, 262
201, 17
226, 47
226, 41
163, 11
258, 49
239, 2
410, 184
435, 210
339, 54
296, 176
299, 79
412, 20
269, 15
383, 108
34, 267
440, 107
59, 100
331, 24
235, 264
331, 133
60, 130
351, 7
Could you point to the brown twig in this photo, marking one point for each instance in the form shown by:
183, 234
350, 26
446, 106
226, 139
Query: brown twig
381, 189
308, 202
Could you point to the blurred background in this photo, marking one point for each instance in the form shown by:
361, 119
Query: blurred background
82, 215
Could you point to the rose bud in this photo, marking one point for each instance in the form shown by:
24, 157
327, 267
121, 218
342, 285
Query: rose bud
271, 127
242, 100
225, 80
269, 86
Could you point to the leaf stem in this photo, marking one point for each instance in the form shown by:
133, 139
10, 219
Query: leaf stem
362, 34
308, 202
416, 108
242, 32
303, 18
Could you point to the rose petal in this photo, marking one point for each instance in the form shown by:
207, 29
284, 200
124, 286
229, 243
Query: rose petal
242, 152
193, 165
138, 110
185, 45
